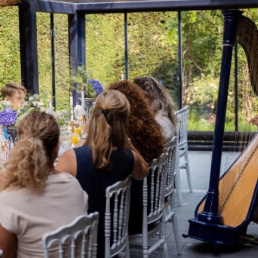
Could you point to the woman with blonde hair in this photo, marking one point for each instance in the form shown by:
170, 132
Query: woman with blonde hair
35, 199
106, 157
161, 103
145, 134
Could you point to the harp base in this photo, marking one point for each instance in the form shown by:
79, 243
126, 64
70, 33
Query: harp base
216, 234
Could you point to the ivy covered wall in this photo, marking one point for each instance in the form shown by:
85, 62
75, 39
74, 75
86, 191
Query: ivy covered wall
152, 50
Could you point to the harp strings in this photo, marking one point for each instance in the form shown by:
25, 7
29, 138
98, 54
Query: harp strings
236, 172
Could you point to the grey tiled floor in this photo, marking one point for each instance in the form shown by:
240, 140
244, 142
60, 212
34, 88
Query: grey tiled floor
200, 163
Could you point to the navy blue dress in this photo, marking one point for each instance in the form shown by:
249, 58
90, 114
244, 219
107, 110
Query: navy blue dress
95, 181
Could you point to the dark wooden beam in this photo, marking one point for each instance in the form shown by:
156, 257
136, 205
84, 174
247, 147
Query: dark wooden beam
108, 6
28, 46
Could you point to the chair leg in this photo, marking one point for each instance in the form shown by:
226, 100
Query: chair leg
165, 250
178, 187
145, 253
188, 172
163, 236
176, 234
127, 250
171, 217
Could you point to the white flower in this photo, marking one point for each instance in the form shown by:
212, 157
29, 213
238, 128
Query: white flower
79, 112
6, 104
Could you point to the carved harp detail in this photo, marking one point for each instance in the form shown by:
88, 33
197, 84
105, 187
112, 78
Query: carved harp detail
247, 37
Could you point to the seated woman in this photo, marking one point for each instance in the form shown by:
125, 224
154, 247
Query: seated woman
143, 130
161, 103
108, 155
35, 199
146, 136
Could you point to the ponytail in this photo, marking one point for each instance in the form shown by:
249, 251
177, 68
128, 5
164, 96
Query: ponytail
107, 128
102, 144
25, 164
33, 155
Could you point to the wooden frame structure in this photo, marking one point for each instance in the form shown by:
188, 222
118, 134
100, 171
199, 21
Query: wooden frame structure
76, 11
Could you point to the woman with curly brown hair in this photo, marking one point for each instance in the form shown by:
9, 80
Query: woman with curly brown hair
35, 199
143, 130
146, 136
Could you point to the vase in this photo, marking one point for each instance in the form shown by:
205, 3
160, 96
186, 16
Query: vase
12, 134
89, 104
7, 140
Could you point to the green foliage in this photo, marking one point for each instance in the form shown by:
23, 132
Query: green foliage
61, 54
152, 50
80, 78
197, 122
201, 30
206, 96
105, 47
9, 47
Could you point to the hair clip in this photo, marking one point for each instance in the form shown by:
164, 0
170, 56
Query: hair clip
104, 112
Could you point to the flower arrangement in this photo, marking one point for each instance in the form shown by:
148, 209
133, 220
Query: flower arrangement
92, 88
10, 117
95, 84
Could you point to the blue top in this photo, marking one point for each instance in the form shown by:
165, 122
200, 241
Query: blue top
95, 181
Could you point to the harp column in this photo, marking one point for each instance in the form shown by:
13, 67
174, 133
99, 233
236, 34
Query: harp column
210, 212
208, 224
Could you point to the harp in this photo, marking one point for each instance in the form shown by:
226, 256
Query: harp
224, 213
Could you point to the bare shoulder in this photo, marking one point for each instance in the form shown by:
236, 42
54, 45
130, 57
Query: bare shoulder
67, 162
68, 154
140, 169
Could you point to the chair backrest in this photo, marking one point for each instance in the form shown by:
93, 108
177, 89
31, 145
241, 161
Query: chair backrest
182, 126
153, 235
153, 191
116, 217
170, 149
78, 238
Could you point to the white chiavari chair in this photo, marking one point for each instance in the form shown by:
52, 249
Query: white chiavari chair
116, 219
182, 151
78, 238
169, 204
153, 235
